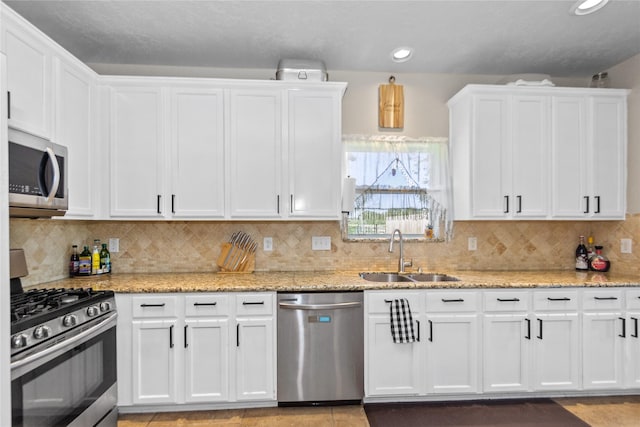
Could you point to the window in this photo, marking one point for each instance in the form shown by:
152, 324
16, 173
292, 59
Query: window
401, 183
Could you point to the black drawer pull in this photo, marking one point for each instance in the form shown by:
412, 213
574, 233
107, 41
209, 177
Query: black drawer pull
171, 336
418, 323
197, 304
597, 204
559, 299
152, 305
452, 300
186, 344
540, 325
635, 327
528, 336
605, 298
508, 299
238, 335
252, 302
430, 331
624, 327
158, 204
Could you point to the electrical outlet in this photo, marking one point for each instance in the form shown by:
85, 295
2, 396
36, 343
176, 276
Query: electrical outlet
321, 243
472, 244
267, 244
114, 244
625, 246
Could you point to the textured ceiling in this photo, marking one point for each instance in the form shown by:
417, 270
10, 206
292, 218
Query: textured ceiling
452, 36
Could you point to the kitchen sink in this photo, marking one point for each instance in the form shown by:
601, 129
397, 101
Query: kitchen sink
408, 277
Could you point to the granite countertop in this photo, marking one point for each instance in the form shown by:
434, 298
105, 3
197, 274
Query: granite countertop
302, 281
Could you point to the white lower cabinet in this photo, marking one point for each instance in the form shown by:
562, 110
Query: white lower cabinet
632, 354
195, 349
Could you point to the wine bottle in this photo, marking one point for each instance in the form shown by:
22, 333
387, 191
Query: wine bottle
582, 262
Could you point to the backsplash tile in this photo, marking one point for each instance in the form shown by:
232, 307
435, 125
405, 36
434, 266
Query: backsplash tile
194, 246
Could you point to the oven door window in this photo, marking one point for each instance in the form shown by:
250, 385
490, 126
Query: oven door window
55, 393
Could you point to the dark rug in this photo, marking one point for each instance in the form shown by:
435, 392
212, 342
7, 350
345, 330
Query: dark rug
502, 413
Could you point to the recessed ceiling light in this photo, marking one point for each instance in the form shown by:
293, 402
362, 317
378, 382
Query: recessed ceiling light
585, 7
401, 54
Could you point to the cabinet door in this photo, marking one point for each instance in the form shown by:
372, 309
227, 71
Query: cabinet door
490, 157
315, 164
608, 176
255, 154
74, 128
602, 349
556, 360
154, 367
28, 77
529, 157
392, 369
136, 152
197, 154
451, 353
255, 359
206, 369
507, 346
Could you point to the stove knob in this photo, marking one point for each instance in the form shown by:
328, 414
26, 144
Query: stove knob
70, 320
105, 306
41, 332
18, 341
93, 311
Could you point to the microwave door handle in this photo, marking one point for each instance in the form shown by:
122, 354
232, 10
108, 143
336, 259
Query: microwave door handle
56, 175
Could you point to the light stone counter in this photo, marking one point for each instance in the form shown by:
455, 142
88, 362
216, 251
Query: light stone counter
335, 281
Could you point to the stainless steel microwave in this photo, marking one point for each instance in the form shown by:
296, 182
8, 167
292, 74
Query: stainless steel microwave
37, 177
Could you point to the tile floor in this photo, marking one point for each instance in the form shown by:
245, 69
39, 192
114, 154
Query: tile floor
622, 411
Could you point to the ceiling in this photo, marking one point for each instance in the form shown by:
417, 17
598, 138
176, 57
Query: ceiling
450, 36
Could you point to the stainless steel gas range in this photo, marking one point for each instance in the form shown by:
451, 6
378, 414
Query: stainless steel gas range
63, 356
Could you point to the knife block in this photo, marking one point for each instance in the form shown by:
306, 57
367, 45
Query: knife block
233, 259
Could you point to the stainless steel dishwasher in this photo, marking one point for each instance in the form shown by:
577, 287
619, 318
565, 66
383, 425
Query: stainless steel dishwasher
320, 348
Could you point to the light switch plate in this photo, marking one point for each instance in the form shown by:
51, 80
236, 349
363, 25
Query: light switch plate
321, 243
625, 246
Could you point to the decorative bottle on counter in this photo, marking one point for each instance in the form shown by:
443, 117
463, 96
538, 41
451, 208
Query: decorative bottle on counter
74, 262
84, 262
599, 262
591, 252
582, 262
95, 257
105, 259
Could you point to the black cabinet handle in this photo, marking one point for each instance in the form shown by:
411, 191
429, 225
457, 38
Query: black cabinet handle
173, 203
252, 302
635, 327
418, 323
624, 327
291, 203
196, 304
605, 298
171, 336
540, 327
587, 208
8, 104
278, 203
528, 336
238, 335
506, 204
597, 204
152, 305
519, 204
158, 203
508, 299
559, 299
452, 300
186, 344
430, 331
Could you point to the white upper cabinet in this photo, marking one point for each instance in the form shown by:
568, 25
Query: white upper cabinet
197, 153
538, 153
28, 74
255, 153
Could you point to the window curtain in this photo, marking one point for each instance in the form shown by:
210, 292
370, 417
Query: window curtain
404, 182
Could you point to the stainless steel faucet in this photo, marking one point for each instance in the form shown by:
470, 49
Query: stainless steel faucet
401, 262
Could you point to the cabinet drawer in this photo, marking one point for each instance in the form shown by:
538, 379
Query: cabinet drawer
153, 306
503, 301
561, 300
206, 305
249, 304
602, 299
451, 301
380, 302
633, 299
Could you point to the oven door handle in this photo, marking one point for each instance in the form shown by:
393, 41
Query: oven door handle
107, 323
56, 175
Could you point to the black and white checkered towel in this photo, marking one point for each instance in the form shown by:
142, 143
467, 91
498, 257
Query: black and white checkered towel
401, 322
